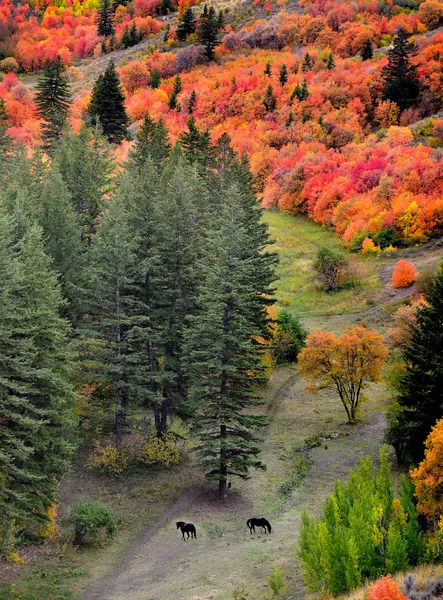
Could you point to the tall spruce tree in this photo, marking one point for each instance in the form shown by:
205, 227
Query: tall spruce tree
36, 395
208, 31
421, 387
110, 320
270, 101
155, 79
221, 356
197, 144
306, 63
191, 102
107, 106
400, 77
105, 20
167, 219
152, 141
84, 162
330, 63
283, 77
186, 24
53, 101
62, 235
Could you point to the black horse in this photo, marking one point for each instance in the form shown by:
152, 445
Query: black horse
187, 528
263, 523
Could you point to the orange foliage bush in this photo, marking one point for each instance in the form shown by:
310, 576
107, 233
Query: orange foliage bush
428, 476
404, 274
385, 589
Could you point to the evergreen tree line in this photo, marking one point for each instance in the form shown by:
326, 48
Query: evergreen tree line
365, 531
150, 286
419, 390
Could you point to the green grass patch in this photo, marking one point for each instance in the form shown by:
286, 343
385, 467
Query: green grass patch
297, 241
45, 582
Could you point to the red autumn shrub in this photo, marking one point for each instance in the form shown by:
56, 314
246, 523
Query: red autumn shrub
404, 274
385, 589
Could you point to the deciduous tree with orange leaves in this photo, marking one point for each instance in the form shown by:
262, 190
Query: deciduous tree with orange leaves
347, 363
428, 476
404, 274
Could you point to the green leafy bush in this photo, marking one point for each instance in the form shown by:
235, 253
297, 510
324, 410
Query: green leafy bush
89, 522
277, 582
333, 271
289, 337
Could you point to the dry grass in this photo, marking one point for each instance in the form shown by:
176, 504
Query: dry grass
422, 575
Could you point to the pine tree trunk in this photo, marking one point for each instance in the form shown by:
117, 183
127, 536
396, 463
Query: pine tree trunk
119, 424
222, 487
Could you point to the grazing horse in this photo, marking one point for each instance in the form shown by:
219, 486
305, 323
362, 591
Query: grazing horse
187, 528
263, 523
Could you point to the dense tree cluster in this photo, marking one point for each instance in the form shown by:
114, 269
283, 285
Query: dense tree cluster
152, 291
365, 531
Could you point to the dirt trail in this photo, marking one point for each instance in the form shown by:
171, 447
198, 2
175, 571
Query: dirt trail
103, 588
161, 567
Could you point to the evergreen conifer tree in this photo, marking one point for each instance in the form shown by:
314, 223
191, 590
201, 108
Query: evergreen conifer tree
134, 36
300, 92
400, 77
330, 63
36, 395
267, 70
283, 77
220, 356
367, 52
306, 63
105, 21
85, 164
151, 142
421, 386
208, 31
113, 254
192, 101
166, 218
196, 144
155, 79
107, 106
53, 101
186, 24
172, 103
62, 235
126, 39
178, 85
270, 101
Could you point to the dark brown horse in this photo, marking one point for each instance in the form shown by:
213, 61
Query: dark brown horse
187, 528
263, 523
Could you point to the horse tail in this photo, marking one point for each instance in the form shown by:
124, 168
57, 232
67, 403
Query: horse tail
248, 523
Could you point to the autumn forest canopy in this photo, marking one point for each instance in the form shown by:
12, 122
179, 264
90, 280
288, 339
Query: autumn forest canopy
220, 241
